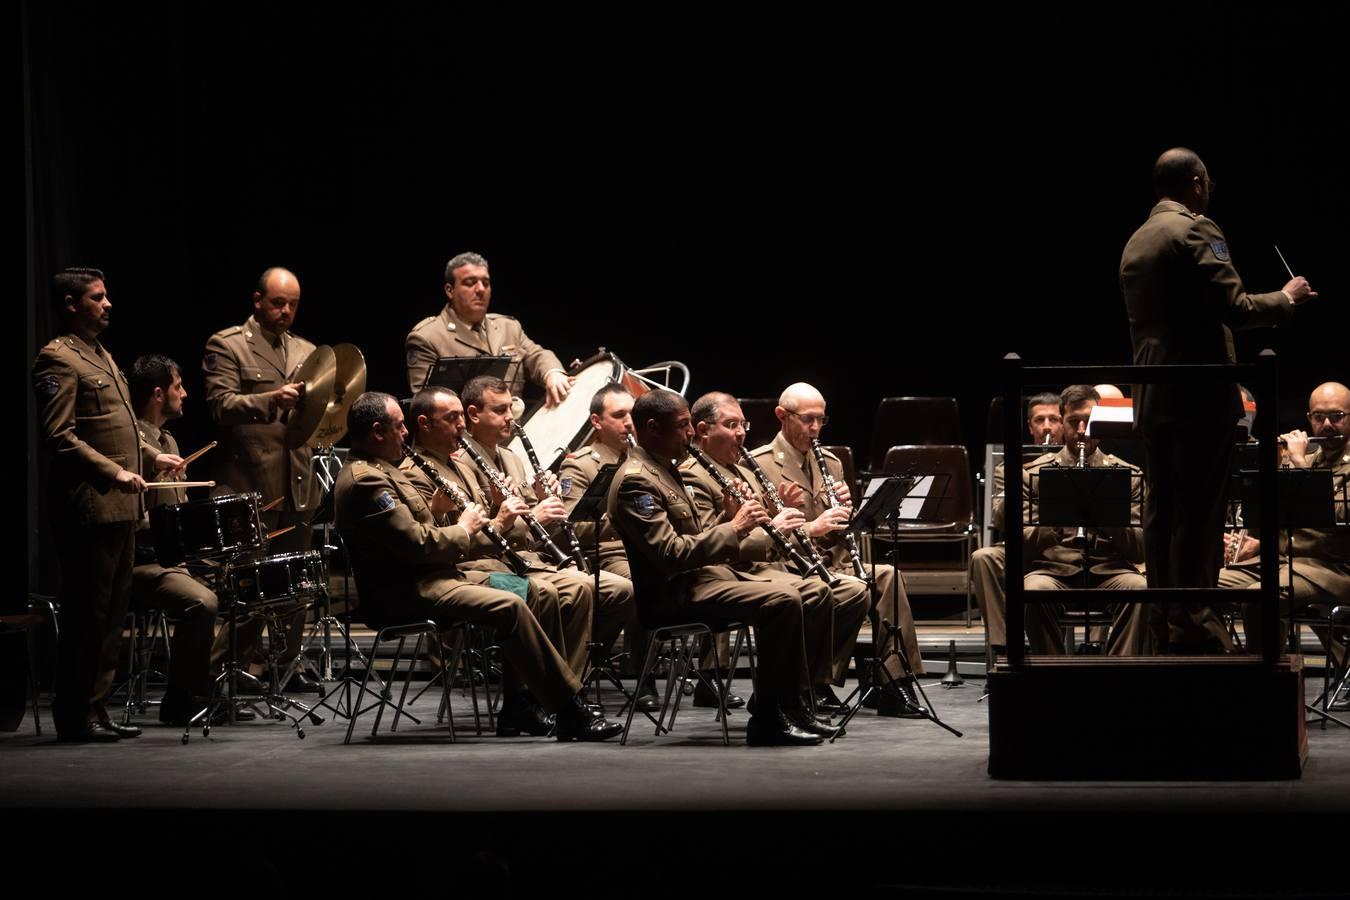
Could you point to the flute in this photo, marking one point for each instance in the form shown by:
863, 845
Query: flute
504, 488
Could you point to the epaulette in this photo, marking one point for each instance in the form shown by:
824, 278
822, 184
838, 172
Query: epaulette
500, 316
829, 454
233, 329
1040, 460
427, 321
760, 451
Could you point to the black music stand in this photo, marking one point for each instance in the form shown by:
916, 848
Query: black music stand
454, 372
1091, 497
1305, 498
882, 502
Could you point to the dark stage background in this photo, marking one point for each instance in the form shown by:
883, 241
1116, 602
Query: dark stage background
878, 207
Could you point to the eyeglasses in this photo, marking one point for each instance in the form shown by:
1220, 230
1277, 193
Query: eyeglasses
736, 424
1317, 418
808, 421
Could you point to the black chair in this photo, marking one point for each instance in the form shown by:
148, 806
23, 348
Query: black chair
913, 420
427, 633
763, 423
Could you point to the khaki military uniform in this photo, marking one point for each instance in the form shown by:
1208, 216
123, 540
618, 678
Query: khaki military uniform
190, 604
1184, 298
578, 470
405, 569
683, 572
242, 364
89, 435
1114, 557
831, 617
783, 462
447, 335
1321, 571
988, 574
567, 624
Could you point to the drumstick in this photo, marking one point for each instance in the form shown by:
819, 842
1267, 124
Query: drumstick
188, 459
273, 505
1286, 265
175, 485
279, 532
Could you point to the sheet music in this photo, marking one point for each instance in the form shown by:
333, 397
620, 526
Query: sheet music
912, 506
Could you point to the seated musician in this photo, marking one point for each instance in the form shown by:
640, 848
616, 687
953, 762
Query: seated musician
1057, 557
157, 395
405, 568
831, 616
685, 573
487, 408
465, 328
1321, 558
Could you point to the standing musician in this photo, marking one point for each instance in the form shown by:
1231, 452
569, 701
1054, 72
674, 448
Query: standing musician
1321, 564
683, 572
831, 616
465, 328
94, 485
988, 565
157, 393
251, 387
404, 561
1184, 296
788, 457
487, 405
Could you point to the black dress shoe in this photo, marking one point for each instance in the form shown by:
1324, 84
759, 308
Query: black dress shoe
705, 697
122, 731
576, 723
776, 731
828, 702
647, 699
301, 683
899, 702
803, 719
520, 713
91, 733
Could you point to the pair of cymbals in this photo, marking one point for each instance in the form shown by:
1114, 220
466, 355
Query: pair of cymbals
334, 377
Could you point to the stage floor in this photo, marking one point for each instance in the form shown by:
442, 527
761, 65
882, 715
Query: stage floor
495, 806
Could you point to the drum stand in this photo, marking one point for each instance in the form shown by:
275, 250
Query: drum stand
327, 466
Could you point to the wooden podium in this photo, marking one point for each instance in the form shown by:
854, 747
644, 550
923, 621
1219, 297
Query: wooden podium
1206, 718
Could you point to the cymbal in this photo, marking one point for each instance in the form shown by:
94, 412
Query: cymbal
318, 372
350, 384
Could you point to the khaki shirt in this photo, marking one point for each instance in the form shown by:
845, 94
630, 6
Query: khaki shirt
783, 462
447, 335
155, 441
240, 366
520, 538
707, 495
1111, 551
89, 429
575, 476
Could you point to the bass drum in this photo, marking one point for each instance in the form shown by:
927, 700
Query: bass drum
558, 431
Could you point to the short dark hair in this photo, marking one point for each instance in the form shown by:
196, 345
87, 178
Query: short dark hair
1077, 395
72, 282
705, 407
153, 370
467, 258
424, 401
658, 404
472, 393
1045, 398
1174, 172
370, 409
598, 401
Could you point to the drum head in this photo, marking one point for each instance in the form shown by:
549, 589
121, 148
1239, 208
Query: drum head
558, 431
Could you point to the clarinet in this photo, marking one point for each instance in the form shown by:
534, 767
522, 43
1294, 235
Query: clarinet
568, 529
804, 567
629, 439
827, 480
776, 502
455, 493
499, 482
1080, 537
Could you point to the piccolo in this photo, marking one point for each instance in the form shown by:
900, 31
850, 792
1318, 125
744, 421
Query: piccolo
504, 488
804, 567
513, 559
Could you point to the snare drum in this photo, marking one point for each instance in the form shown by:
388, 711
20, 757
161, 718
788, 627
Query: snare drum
558, 431
281, 580
205, 529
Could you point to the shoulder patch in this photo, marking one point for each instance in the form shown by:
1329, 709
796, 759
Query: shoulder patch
412, 358
48, 386
385, 501
1220, 249
209, 362
645, 503
565, 485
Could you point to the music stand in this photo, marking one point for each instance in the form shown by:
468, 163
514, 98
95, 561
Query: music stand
454, 372
888, 499
1305, 498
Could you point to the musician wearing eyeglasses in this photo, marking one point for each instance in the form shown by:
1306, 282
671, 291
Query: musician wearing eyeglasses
487, 408
831, 615
465, 328
157, 393
1321, 558
789, 458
